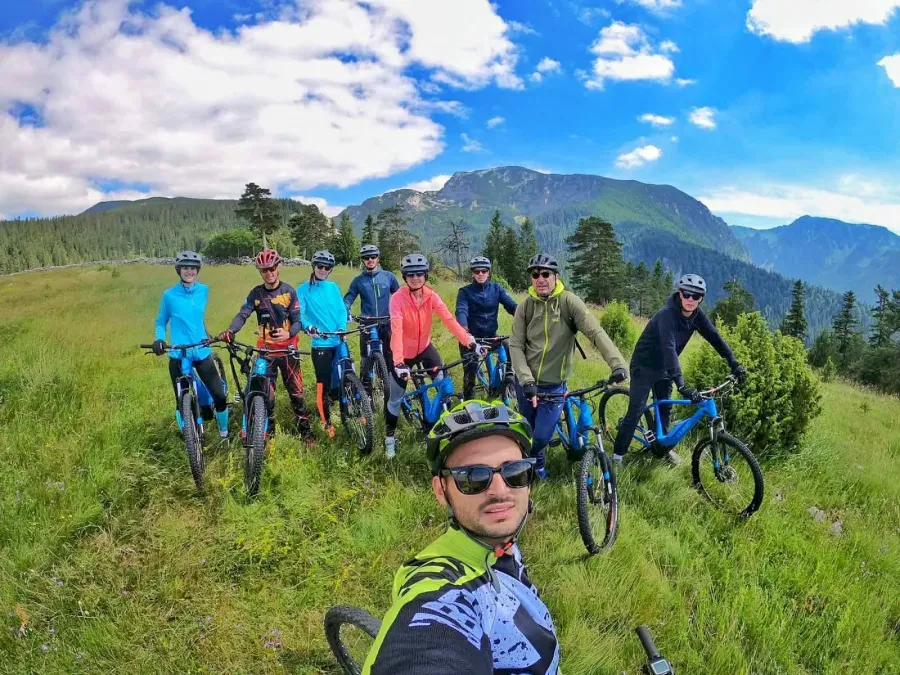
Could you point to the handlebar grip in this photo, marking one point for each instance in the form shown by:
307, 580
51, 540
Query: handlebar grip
647, 642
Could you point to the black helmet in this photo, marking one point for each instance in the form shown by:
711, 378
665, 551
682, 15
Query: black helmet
414, 262
369, 249
323, 258
188, 259
693, 283
480, 262
543, 261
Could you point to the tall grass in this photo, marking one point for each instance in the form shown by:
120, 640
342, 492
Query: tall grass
111, 562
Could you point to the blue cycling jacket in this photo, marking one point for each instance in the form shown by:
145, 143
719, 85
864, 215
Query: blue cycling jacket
185, 308
374, 290
322, 306
477, 306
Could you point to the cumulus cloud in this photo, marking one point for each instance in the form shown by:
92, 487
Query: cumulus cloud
328, 209
624, 52
429, 185
322, 96
470, 144
588, 15
519, 27
545, 66
638, 157
655, 5
705, 118
668, 47
684, 82
798, 20
656, 120
495, 122
891, 65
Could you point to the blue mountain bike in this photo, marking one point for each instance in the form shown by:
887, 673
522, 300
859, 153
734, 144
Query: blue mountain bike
194, 405
722, 467
374, 369
423, 406
596, 493
495, 377
356, 408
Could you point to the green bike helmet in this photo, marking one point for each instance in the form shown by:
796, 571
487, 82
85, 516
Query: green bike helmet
471, 420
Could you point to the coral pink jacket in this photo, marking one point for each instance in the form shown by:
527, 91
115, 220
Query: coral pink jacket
411, 323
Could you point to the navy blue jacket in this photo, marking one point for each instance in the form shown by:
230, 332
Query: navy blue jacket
665, 338
374, 290
477, 306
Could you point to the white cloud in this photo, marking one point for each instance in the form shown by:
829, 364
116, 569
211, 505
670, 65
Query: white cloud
656, 120
789, 202
891, 65
684, 82
798, 20
545, 66
638, 157
495, 122
326, 208
655, 5
322, 97
519, 27
470, 144
624, 53
705, 118
668, 47
588, 15
429, 185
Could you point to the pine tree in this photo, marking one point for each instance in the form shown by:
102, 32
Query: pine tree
346, 248
881, 332
739, 301
641, 290
661, 287
794, 323
526, 249
493, 241
597, 269
311, 230
259, 210
844, 329
369, 233
394, 240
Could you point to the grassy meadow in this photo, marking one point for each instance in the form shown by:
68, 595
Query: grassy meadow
111, 562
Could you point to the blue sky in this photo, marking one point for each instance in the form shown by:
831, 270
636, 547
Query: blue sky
763, 109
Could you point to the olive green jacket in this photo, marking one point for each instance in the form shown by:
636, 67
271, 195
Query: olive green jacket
543, 337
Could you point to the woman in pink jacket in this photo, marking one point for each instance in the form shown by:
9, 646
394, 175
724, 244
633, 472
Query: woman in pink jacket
412, 309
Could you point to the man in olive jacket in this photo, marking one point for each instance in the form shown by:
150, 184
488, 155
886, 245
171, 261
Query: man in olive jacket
542, 345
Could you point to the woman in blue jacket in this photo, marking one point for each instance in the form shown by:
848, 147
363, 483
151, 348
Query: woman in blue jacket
477, 307
322, 310
184, 307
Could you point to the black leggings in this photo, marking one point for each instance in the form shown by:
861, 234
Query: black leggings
209, 376
323, 358
642, 382
429, 358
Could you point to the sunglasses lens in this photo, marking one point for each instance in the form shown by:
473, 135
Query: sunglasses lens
691, 296
269, 269
369, 257
480, 271
545, 274
473, 479
517, 474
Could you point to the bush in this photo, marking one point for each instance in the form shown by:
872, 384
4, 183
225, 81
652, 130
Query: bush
829, 370
232, 244
781, 397
616, 321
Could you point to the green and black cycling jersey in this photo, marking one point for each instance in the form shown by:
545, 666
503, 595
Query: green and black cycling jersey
458, 608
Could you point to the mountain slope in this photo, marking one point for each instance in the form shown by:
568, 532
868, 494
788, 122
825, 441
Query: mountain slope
834, 254
555, 202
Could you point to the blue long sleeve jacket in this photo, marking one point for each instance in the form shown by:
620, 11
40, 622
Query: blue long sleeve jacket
374, 290
184, 307
322, 306
477, 306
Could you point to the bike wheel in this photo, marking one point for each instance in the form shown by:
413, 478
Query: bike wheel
598, 500
727, 473
356, 413
509, 396
613, 406
381, 383
350, 632
255, 447
192, 441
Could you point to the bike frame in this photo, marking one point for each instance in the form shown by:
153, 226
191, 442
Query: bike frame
341, 363
497, 357
575, 437
257, 385
707, 408
433, 403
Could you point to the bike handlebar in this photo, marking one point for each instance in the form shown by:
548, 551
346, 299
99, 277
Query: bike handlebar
440, 369
339, 333
178, 348
289, 349
602, 384
370, 319
496, 338
647, 642
729, 382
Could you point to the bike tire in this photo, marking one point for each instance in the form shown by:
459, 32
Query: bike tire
711, 481
381, 382
343, 616
598, 500
356, 413
510, 396
255, 448
193, 443
612, 407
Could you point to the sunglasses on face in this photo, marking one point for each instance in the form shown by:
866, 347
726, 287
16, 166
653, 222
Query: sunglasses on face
323, 267
691, 296
370, 257
268, 269
543, 273
413, 274
476, 478
480, 271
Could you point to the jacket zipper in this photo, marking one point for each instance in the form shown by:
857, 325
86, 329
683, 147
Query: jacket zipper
546, 340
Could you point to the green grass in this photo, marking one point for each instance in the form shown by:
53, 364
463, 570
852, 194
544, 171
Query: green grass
116, 564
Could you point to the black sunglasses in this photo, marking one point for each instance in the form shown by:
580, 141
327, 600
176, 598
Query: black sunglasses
414, 274
370, 257
323, 267
543, 273
476, 478
480, 271
691, 296
269, 269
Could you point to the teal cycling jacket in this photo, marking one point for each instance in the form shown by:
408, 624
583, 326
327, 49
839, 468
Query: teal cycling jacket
185, 309
322, 306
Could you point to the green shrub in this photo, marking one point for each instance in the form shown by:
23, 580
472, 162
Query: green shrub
781, 396
616, 321
232, 244
116, 273
829, 370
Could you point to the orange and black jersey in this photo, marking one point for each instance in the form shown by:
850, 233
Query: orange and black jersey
275, 308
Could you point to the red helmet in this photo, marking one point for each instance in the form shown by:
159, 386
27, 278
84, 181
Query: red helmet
268, 258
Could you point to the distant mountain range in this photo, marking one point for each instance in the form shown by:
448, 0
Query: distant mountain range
834, 254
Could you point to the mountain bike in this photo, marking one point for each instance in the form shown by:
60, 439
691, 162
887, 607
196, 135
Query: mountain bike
351, 632
194, 405
722, 467
257, 398
374, 369
356, 408
421, 407
596, 491
495, 375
